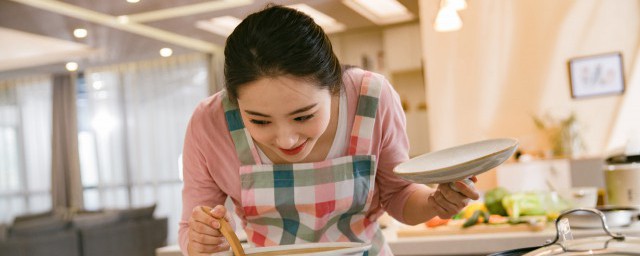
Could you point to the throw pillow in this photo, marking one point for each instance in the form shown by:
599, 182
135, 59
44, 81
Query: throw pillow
42, 226
137, 213
88, 220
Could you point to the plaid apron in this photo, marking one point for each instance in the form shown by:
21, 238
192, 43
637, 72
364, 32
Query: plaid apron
323, 201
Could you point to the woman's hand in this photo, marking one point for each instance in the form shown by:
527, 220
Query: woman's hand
204, 230
447, 202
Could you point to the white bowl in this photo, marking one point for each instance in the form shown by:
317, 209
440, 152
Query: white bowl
349, 249
457, 163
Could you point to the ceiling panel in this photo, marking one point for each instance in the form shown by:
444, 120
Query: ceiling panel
117, 46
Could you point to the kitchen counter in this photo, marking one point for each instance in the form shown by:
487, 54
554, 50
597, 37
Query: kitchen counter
485, 243
467, 244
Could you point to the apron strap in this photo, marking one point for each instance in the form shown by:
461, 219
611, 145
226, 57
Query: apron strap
245, 148
363, 124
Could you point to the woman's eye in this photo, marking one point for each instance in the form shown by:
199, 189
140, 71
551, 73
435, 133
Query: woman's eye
303, 118
259, 122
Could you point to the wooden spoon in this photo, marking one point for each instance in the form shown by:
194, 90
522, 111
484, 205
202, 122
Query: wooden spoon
229, 234
231, 237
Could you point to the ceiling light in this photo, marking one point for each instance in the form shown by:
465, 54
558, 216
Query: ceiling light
447, 20
133, 1
328, 24
71, 66
381, 12
80, 33
166, 52
457, 5
221, 25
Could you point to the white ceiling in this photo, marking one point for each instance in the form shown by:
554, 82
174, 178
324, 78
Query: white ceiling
20, 50
37, 34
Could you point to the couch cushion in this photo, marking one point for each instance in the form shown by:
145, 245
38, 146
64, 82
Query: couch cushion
88, 220
32, 216
41, 226
137, 213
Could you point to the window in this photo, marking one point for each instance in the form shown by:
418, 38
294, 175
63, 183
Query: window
132, 120
25, 147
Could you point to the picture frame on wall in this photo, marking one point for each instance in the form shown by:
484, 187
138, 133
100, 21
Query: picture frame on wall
596, 75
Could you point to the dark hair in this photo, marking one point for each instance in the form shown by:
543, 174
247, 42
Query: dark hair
279, 41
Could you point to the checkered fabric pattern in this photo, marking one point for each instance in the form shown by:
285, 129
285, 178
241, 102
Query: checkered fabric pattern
360, 140
245, 148
312, 202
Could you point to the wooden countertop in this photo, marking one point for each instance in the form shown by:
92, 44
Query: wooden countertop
484, 243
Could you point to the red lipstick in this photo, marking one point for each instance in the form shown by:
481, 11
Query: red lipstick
295, 150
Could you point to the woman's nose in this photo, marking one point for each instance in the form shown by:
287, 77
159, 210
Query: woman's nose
286, 138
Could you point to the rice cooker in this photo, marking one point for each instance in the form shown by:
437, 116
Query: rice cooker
622, 179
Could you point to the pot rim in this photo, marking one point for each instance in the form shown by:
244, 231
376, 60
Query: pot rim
622, 166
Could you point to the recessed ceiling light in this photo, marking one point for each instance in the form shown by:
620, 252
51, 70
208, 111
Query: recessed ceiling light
381, 12
328, 24
166, 52
133, 1
71, 66
80, 33
220, 25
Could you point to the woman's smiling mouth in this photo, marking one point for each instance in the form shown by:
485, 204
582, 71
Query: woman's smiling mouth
295, 150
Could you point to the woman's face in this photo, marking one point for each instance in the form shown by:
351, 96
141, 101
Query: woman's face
285, 115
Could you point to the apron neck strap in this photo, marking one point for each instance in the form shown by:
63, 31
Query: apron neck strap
360, 140
245, 149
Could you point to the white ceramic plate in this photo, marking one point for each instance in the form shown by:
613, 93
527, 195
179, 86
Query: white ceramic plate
457, 163
351, 249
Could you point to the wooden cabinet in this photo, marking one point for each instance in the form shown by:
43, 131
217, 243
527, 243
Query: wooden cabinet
402, 48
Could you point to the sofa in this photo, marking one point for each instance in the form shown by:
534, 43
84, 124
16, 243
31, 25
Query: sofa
107, 232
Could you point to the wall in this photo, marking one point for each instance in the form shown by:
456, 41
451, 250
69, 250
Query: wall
509, 62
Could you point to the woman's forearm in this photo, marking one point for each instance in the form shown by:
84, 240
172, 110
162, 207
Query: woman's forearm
416, 209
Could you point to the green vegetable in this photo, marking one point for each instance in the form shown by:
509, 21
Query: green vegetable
473, 220
493, 201
485, 216
520, 204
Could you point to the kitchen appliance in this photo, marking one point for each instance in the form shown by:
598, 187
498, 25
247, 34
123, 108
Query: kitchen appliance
622, 179
612, 244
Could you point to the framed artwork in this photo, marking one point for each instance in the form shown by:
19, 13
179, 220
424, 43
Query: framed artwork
596, 75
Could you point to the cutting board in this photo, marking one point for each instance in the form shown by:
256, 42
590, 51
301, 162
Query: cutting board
422, 230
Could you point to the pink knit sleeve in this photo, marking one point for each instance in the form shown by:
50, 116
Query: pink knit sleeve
199, 187
394, 149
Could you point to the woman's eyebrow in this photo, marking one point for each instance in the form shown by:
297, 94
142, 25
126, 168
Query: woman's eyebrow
300, 110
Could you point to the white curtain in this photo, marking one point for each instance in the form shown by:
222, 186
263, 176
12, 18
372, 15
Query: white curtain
25, 146
132, 123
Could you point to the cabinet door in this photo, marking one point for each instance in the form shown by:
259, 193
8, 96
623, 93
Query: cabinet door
403, 48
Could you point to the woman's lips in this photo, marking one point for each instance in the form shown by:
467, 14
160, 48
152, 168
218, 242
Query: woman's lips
295, 150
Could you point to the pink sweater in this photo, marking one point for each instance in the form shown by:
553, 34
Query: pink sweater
211, 165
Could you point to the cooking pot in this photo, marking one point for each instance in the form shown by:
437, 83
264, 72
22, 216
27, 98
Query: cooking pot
612, 244
309, 249
615, 217
622, 179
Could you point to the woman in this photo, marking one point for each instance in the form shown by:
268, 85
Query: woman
304, 148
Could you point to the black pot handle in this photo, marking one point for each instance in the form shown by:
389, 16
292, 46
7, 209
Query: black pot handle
616, 236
